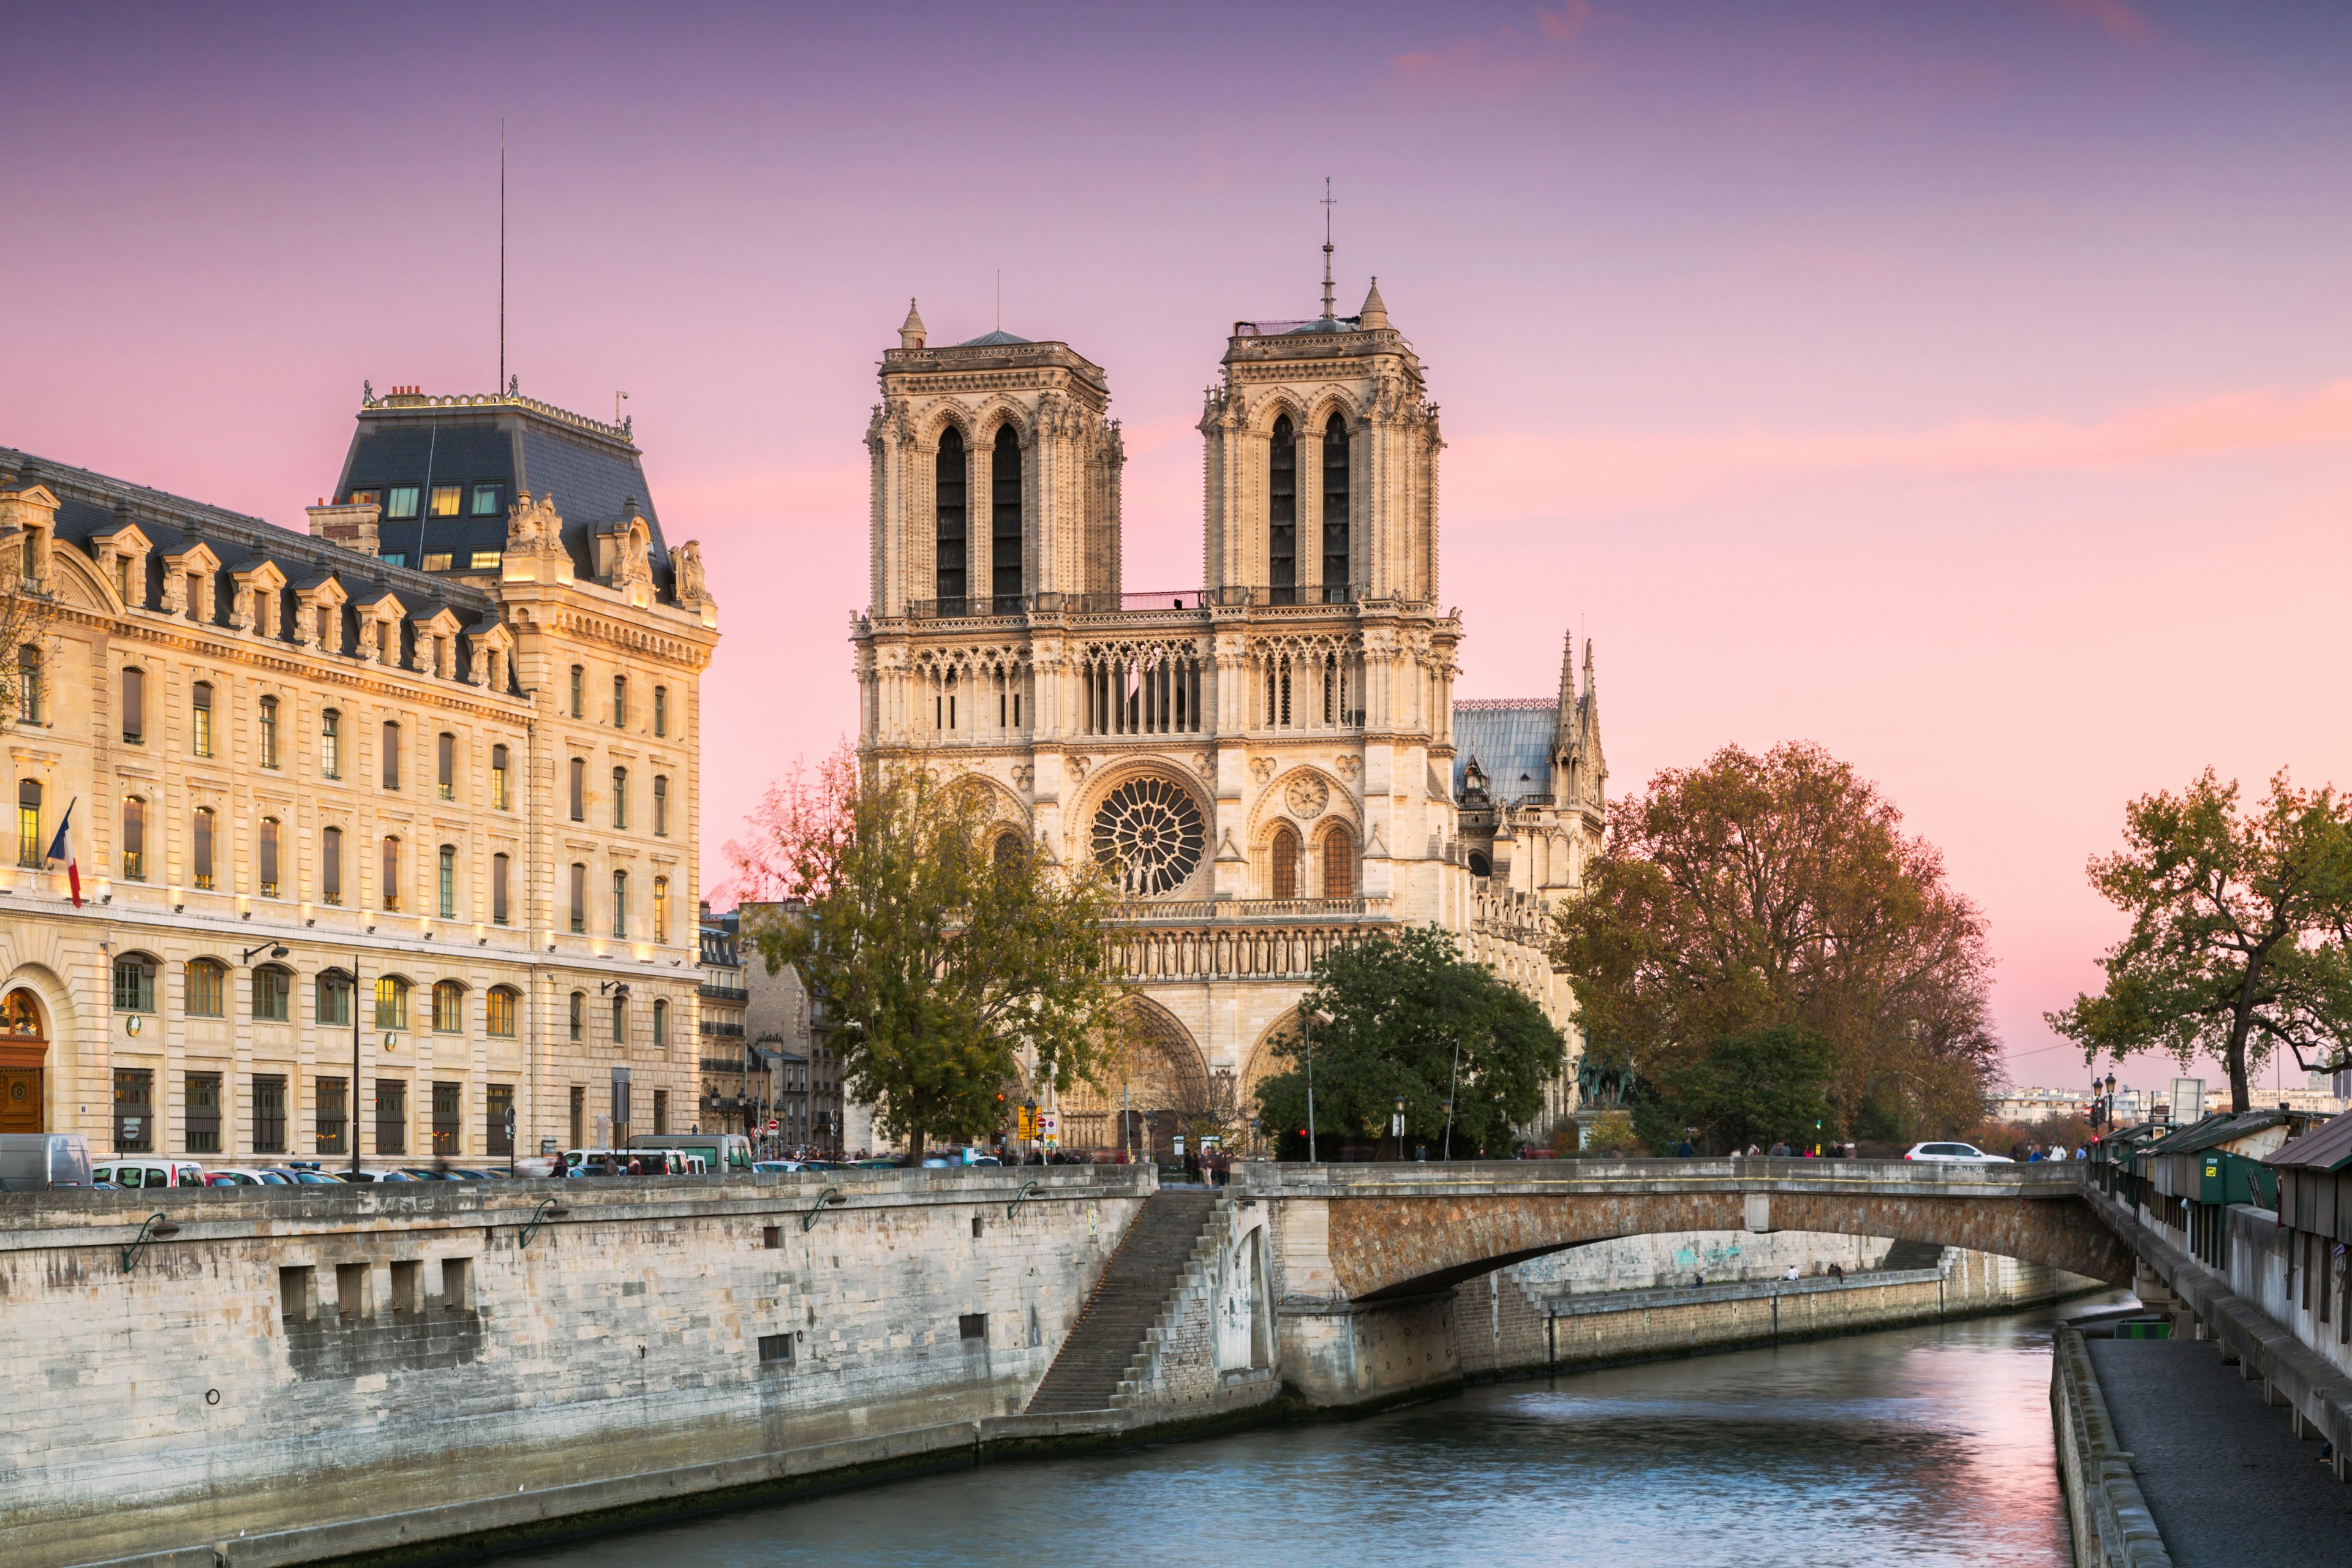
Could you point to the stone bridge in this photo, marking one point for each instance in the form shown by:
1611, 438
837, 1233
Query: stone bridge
1364, 1256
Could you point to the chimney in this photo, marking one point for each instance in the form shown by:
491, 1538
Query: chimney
352, 527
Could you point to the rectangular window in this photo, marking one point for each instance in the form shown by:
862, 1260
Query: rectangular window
621, 904
776, 1349
408, 1287
487, 499
498, 778
498, 889
458, 1284
268, 732
661, 710
579, 898
269, 1115
298, 1293
972, 1326
204, 846
330, 745
28, 684
200, 729
134, 707
330, 864
29, 847
396, 557
391, 1003
204, 1112
206, 981
449, 882
661, 1113
661, 908
333, 1113
579, 691
391, 1116
122, 581
391, 755
351, 1292
621, 797
448, 1112
484, 561
661, 805
579, 789
436, 561
402, 500
498, 1137
579, 1113
134, 1110
268, 856
619, 701
447, 499
391, 873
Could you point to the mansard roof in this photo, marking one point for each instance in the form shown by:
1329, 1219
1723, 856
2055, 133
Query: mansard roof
594, 471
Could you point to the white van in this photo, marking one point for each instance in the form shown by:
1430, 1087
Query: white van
617, 1162
147, 1171
36, 1161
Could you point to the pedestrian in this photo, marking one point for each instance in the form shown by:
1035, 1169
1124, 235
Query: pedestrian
1685, 1149
2082, 1150
1781, 1150
636, 1166
1753, 1151
1698, 1281
1837, 1272
1791, 1274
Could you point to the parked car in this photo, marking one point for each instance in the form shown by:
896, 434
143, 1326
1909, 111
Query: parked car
147, 1171
34, 1161
307, 1177
245, 1176
367, 1175
1956, 1154
617, 1162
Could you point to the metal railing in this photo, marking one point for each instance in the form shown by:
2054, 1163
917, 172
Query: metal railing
970, 607
729, 1031
722, 993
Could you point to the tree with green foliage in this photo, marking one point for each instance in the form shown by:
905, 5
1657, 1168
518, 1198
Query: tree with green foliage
1391, 1016
2237, 944
1751, 894
1757, 1088
957, 961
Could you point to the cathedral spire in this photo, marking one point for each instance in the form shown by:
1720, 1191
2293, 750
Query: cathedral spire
911, 331
1568, 678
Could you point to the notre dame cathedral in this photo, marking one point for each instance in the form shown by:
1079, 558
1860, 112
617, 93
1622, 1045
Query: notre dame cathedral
1274, 758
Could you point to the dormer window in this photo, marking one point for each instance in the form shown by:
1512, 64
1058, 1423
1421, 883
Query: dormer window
446, 500
489, 501
363, 498
401, 502
484, 561
396, 557
437, 561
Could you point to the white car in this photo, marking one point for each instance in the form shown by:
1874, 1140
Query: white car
1957, 1154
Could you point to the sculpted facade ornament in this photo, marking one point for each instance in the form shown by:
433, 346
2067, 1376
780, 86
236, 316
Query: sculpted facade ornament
534, 527
1262, 769
1348, 766
1307, 795
686, 561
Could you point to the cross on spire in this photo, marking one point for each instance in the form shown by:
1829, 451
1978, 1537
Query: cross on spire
1329, 203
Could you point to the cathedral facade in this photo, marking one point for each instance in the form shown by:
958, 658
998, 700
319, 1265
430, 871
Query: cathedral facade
1274, 758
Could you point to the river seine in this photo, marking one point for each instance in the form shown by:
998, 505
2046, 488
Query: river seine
1915, 1447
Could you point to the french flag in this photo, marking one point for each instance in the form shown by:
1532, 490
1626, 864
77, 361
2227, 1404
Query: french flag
61, 848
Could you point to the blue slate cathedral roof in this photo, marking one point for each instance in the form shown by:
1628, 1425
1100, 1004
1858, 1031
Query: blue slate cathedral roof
1532, 747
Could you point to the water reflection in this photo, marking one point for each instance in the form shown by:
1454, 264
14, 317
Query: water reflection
1923, 1447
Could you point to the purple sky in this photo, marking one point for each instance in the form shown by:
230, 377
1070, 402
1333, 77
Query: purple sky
1967, 388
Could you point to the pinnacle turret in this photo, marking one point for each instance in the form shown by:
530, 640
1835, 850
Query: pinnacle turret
1375, 313
911, 332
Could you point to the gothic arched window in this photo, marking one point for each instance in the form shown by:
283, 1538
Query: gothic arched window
952, 541
1335, 512
1281, 514
1285, 863
1338, 864
1004, 520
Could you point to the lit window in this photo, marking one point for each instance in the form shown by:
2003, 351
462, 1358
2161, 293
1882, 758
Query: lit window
269, 731
28, 822
436, 561
403, 503
448, 1008
446, 761
661, 908
502, 1013
498, 778
207, 989
330, 745
486, 560
361, 498
486, 502
446, 500
204, 846
391, 1003
201, 731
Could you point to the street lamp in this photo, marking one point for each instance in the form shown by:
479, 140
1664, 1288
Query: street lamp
1396, 1127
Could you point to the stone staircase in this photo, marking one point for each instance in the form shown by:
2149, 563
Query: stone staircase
1111, 1341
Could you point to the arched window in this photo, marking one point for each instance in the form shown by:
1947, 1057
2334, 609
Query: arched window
579, 691
500, 1015
333, 997
28, 683
391, 755
953, 535
204, 846
499, 778
579, 789
391, 1002
268, 847
200, 719
448, 886
1006, 853
1004, 520
134, 983
134, 705
579, 897
273, 990
444, 765
448, 1007
499, 867
661, 908
391, 873
134, 839
619, 797
1285, 863
330, 745
1338, 864
1281, 514
661, 1025
330, 864
661, 805
620, 903
28, 822
579, 1013
208, 983
661, 710
1336, 558
268, 737
1480, 865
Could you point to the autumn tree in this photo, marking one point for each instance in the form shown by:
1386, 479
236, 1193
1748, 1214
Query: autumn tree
1396, 1018
1750, 895
953, 955
2238, 942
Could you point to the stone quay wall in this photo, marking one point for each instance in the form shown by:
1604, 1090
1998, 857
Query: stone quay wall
298, 1374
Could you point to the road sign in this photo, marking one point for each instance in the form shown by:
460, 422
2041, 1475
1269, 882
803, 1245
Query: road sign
773, 1124
1049, 1126
1028, 1125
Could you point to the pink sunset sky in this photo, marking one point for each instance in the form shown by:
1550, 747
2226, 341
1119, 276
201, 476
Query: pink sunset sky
1965, 388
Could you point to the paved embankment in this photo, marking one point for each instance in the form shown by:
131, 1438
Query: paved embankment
2229, 1483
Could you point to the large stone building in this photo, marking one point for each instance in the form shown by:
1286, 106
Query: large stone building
444, 745
1274, 757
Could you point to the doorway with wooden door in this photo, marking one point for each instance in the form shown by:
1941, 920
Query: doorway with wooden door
24, 1060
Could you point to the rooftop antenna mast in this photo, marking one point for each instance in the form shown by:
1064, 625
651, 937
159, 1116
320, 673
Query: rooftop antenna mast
999, 298
503, 278
1328, 205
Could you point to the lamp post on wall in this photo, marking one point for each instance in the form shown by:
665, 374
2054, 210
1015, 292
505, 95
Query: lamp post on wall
352, 1120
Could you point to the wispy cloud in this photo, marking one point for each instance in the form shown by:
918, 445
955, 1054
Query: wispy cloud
1503, 61
2119, 20
1604, 471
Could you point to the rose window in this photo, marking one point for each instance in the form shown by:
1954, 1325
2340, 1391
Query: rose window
1149, 832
